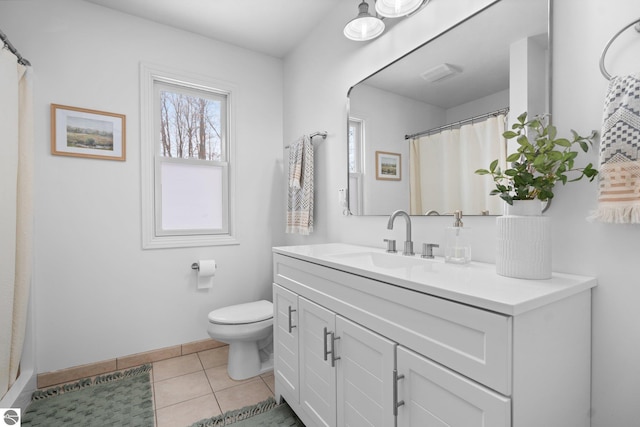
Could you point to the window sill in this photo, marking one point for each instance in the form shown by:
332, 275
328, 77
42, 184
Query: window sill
167, 242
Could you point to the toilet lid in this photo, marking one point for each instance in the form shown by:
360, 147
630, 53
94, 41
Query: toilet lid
242, 313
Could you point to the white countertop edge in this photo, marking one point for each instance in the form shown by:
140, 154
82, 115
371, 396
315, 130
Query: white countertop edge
475, 284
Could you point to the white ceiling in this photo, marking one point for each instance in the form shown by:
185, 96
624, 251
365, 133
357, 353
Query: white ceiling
268, 26
274, 27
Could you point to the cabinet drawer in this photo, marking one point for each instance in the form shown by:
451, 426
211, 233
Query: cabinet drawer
468, 340
435, 396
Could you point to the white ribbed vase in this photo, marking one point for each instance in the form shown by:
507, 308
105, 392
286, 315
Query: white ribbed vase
524, 241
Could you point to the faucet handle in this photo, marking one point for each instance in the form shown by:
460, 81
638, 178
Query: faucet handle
391, 245
427, 250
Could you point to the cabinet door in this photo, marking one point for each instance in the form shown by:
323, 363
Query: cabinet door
317, 375
285, 340
364, 376
434, 396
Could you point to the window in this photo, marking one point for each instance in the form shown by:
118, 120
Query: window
356, 169
186, 156
355, 145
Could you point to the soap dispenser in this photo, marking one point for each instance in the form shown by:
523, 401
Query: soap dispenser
457, 242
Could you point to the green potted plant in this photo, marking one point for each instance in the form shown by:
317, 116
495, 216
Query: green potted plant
541, 160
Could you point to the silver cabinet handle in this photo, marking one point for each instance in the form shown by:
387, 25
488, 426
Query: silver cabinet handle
331, 352
290, 317
326, 352
396, 404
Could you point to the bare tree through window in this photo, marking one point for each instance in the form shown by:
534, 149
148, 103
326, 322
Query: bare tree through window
190, 127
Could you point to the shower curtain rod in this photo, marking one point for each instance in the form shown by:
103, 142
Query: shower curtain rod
311, 136
458, 123
8, 45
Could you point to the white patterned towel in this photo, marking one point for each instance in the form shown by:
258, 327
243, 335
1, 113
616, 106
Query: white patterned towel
619, 176
300, 187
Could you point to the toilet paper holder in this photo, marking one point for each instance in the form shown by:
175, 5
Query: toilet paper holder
196, 266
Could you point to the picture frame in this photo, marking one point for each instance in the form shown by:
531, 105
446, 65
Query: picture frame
80, 132
388, 166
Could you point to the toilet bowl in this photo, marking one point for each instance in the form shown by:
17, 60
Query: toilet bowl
248, 329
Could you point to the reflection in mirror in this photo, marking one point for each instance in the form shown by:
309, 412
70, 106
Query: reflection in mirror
441, 110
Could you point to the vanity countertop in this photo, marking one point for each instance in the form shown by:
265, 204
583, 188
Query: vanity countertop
475, 284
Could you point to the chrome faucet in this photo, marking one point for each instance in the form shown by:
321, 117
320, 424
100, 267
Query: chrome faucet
408, 244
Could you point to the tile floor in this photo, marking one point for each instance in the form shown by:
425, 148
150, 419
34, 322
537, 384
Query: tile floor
189, 388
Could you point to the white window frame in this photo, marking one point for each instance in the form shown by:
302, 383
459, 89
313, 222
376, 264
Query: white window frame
359, 149
356, 204
152, 236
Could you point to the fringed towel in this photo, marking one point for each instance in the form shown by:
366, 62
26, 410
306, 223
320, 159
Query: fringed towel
300, 187
619, 192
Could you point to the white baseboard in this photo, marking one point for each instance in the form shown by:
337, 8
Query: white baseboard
19, 395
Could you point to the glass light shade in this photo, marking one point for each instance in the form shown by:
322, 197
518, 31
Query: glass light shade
397, 8
364, 26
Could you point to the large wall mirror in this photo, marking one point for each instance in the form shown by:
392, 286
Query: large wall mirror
421, 126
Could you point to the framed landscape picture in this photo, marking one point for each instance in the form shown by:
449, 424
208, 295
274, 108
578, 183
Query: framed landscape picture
79, 132
388, 166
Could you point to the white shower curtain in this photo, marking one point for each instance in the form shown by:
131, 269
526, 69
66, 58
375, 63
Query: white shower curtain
16, 212
443, 165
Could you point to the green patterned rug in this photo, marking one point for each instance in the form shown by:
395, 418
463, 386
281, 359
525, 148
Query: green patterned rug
263, 414
119, 399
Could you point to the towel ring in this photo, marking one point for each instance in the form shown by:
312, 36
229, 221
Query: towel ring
603, 70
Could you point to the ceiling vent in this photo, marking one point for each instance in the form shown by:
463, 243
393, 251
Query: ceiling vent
440, 72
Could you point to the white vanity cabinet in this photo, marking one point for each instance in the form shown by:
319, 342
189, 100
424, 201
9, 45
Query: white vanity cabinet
428, 344
285, 342
317, 375
364, 386
343, 368
431, 394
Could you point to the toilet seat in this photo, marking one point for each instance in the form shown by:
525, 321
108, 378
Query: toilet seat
251, 312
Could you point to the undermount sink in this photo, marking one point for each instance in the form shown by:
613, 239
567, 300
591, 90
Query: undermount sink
383, 260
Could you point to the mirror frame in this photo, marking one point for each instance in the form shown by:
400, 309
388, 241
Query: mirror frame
549, 67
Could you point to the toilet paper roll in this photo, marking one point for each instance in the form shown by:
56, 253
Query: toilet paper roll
206, 272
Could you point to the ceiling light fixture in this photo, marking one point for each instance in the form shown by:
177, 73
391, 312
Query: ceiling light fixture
364, 26
398, 8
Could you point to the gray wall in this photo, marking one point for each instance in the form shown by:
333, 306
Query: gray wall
97, 294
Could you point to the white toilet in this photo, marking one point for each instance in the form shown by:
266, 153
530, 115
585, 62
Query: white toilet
248, 329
